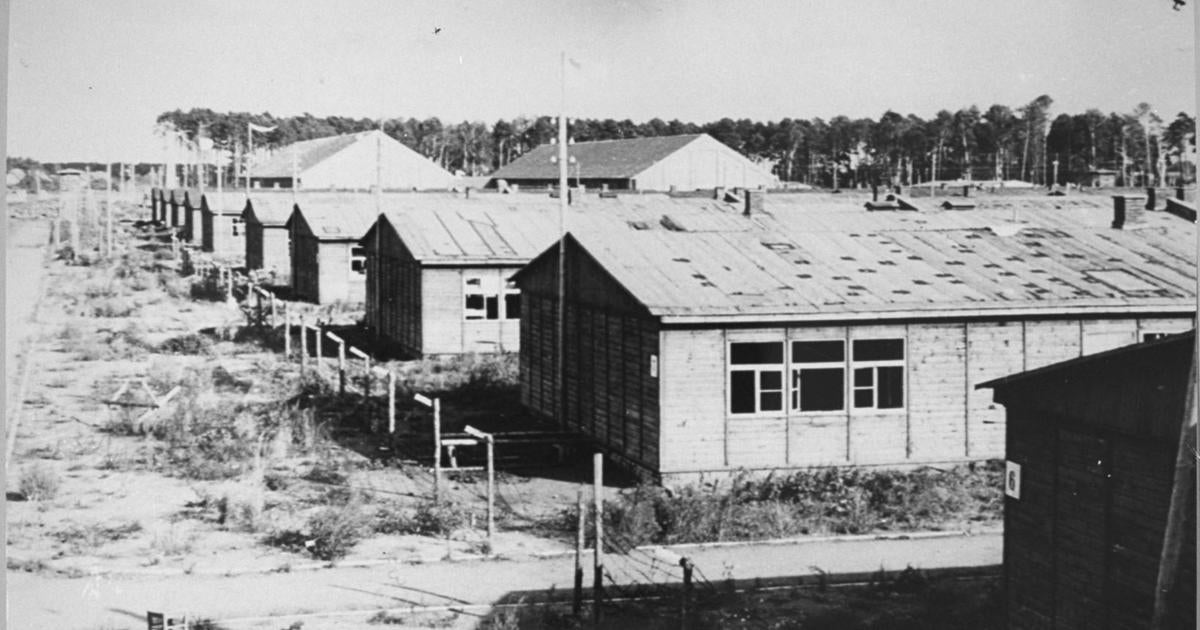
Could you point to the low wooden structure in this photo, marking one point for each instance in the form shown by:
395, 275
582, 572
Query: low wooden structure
438, 270
222, 232
1094, 446
328, 264
766, 339
268, 247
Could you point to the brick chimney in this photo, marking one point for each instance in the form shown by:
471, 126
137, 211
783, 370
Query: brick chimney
1127, 210
1150, 198
754, 200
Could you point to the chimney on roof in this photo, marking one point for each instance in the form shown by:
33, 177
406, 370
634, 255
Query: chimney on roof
1179, 192
719, 193
754, 201
966, 190
1150, 198
874, 192
1127, 210
467, 192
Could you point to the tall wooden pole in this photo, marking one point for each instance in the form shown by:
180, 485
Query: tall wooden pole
391, 385
581, 510
559, 363
491, 490
437, 450
598, 520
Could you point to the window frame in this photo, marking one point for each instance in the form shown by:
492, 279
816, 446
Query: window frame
758, 369
510, 288
875, 365
492, 289
359, 258
795, 367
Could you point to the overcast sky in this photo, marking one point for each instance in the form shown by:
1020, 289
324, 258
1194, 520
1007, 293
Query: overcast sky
87, 79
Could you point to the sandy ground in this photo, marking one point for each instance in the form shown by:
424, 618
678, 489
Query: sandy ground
23, 282
277, 600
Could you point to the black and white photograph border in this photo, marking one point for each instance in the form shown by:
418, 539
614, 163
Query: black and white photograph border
600, 314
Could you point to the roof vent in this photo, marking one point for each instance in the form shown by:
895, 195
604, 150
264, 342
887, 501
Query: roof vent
754, 202
1127, 210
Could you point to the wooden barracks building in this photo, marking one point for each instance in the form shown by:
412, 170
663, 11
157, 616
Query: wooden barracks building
438, 270
695, 347
685, 162
1100, 509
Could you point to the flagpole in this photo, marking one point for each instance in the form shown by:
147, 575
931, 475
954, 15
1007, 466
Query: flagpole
249, 152
562, 235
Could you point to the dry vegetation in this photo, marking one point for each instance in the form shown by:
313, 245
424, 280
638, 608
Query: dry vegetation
254, 465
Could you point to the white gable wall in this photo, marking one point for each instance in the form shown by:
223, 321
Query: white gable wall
704, 163
354, 167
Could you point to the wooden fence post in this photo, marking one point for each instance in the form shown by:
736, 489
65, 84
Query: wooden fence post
287, 335
303, 344
317, 340
437, 450
341, 366
687, 592
273, 315
581, 508
366, 368
391, 385
598, 519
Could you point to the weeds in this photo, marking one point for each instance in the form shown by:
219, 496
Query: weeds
838, 501
329, 534
190, 343
39, 482
85, 538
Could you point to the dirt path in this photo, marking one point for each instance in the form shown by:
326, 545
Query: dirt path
22, 289
38, 601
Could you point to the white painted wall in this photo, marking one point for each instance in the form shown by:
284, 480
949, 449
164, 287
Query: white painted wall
705, 163
354, 167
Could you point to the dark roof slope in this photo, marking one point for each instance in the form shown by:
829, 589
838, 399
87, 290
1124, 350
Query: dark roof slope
607, 159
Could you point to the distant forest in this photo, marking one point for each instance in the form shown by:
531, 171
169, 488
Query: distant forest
1001, 142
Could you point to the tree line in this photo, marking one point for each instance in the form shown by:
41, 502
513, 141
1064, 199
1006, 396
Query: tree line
1001, 142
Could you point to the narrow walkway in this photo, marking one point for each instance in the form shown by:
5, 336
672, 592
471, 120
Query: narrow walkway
37, 601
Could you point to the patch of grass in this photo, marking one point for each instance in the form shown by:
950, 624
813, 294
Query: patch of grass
127, 343
87, 538
836, 501
190, 343
329, 534
28, 566
111, 307
39, 482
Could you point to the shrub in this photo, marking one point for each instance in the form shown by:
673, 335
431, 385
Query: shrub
392, 519
438, 519
39, 482
190, 343
330, 533
112, 307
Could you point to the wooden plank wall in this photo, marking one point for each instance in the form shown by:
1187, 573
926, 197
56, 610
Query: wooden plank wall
945, 417
396, 312
305, 263
254, 245
275, 252
337, 282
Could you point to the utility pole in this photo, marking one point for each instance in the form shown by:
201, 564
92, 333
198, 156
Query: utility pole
561, 329
598, 519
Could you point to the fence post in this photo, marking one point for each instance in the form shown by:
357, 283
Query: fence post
341, 367
577, 603
317, 359
391, 385
273, 316
437, 450
287, 335
367, 368
687, 592
491, 491
303, 344
229, 285
598, 519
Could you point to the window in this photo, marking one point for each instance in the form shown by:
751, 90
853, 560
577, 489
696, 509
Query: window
878, 366
358, 260
818, 375
755, 377
1154, 336
237, 224
483, 298
512, 300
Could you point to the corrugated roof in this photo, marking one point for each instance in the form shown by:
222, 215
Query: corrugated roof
227, 202
272, 209
337, 217
796, 262
609, 159
307, 154
468, 231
